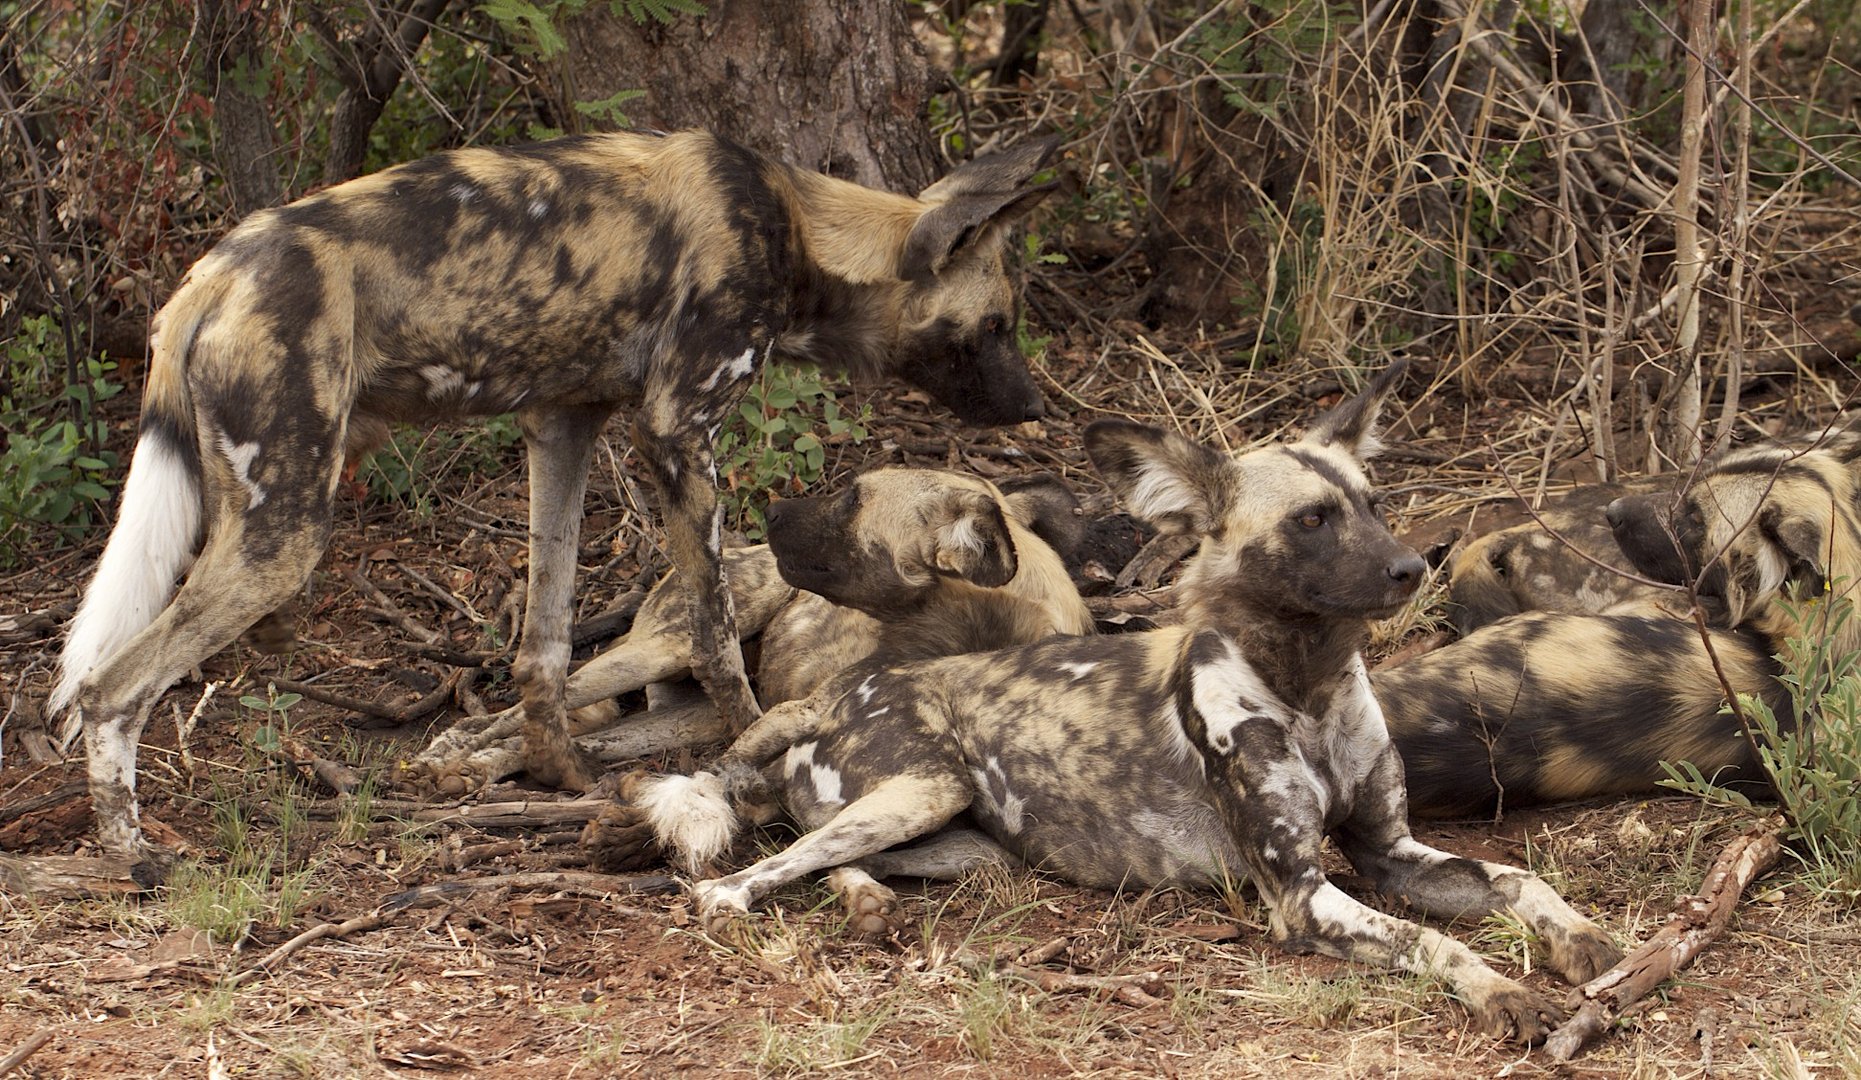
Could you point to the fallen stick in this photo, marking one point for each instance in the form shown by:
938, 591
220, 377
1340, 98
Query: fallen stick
1697, 923
522, 813
374, 920
76, 877
25, 1050
578, 882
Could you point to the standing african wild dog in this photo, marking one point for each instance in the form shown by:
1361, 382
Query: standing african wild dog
561, 281
1231, 744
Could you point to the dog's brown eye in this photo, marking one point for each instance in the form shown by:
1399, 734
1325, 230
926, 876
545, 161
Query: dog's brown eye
1311, 519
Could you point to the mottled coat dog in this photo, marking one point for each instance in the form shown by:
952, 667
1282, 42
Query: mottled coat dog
1548, 706
944, 536
561, 281
1230, 746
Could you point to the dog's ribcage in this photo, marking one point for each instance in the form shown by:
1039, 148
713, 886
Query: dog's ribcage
1079, 751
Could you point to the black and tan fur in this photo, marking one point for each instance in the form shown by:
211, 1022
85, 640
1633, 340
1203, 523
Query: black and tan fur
1527, 568
1757, 522
1548, 707
1231, 745
919, 522
560, 281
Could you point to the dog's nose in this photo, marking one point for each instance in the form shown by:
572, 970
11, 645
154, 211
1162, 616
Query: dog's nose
1407, 570
777, 507
1034, 409
1615, 512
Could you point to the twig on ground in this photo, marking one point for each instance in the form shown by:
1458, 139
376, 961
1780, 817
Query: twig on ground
577, 882
1696, 924
374, 920
25, 1050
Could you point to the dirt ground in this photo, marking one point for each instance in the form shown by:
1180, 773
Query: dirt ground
515, 966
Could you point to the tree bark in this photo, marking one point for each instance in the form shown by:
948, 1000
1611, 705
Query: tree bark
372, 72
1679, 409
835, 85
244, 143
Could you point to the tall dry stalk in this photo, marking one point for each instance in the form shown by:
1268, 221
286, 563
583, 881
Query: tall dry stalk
1677, 424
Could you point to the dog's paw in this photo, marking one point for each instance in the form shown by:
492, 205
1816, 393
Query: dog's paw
721, 908
872, 910
621, 838
1582, 953
1507, 1010
558, 764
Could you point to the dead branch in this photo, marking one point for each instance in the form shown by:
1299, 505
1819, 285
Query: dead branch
75, 877
1697, 923
25, 1050
374, 920
577, 882
298, 755
520, 814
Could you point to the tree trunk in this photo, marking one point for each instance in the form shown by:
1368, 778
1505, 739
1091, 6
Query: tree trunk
244, 144
370, 72
835, 85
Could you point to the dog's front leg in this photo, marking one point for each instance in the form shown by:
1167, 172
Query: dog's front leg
1269, 798
1377, 841
560, 442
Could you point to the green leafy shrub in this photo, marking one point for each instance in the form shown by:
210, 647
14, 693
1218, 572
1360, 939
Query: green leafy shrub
1813, 757
400, 471
51, 473
776, 440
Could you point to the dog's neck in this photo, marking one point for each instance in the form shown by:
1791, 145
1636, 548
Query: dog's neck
1299, 658
847, 242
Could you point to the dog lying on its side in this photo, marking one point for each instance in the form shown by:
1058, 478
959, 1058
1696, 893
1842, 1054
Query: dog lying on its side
1547, 706
562, 281
1232, 744
924, 521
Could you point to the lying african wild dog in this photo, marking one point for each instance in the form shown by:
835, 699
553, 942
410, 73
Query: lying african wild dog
902, 565
1551, 706
943, 536
1547, 706
561, 281
1234, 742
1757, 522
1526, 568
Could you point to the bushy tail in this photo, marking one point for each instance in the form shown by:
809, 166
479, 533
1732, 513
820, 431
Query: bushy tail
694, 817
159, 519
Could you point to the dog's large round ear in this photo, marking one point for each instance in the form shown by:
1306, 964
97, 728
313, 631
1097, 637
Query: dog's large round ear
972, 541
1351, 424
1802, 544
1175, 485
1048, 508
974, 203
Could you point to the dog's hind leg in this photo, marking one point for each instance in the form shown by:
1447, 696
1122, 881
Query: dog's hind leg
896, 810
673, 434
560, 442
263, 539
872, 908
1377, 841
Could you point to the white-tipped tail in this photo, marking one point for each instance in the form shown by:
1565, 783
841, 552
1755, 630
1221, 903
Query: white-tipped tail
157, 529
691, 816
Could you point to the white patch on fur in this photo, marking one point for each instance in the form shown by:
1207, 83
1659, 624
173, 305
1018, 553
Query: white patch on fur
472, 389
1079, 670
1160, 492
538, 208
961, 535
1220, 687
824, 778
691, 816
1011, 807
733, 370
878, 712
241, 456
157, 528
463, 193
866, 690
441, 381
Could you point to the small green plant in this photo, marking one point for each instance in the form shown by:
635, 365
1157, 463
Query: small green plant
776, 440
401, 472
1813, 756
537, 23
52, 473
